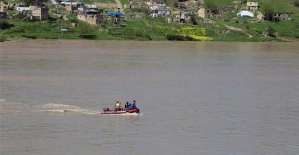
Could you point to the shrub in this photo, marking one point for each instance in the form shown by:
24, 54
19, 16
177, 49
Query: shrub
243, 1
296, 3
271, 31
84, 28
2, 38
4, 25
138, 32
193, 20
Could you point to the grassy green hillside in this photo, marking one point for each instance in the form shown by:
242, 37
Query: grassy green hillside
146, 28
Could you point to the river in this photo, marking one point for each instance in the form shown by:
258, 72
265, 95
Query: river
196, 98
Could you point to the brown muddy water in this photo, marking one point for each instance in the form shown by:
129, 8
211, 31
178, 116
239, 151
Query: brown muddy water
196, 98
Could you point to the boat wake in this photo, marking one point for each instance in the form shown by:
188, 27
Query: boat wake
11, 108
63, 108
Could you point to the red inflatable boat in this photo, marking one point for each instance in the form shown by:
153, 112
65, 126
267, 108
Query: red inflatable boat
109, 111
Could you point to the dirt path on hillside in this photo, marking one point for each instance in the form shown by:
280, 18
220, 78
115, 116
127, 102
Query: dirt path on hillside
250, 36
286, 39
239, 30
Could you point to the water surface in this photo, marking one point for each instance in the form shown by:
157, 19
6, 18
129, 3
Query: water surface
207, 98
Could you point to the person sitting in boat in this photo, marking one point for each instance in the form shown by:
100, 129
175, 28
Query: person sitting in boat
127, 105
117, 106
133, 105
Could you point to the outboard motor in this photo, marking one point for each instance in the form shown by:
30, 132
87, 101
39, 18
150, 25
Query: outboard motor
106, 109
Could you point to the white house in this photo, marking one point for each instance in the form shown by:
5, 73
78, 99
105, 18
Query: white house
245, 14
21, 8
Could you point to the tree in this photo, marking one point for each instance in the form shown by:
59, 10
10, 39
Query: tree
210, 4
296, 3
268, 10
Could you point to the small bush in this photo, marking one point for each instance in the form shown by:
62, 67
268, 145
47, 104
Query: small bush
29, 36
88, 36
179, 38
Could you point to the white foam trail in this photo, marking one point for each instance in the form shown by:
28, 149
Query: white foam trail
63, 108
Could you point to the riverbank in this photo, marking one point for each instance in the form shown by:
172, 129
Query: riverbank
152, 29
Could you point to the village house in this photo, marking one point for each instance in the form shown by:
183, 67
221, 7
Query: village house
245, 13
91, 14
159, 12
158, 9
5, 6
39, 13
71, 6
180, 18
282, 16
276, 17
252, 5
34, 12
155, 4
22, 8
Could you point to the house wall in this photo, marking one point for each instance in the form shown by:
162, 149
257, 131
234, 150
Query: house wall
284, 16
39, 13
1, 7
279, 16
160, 12
93, 20
81, 17
204, 13
71, 8
163, 12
